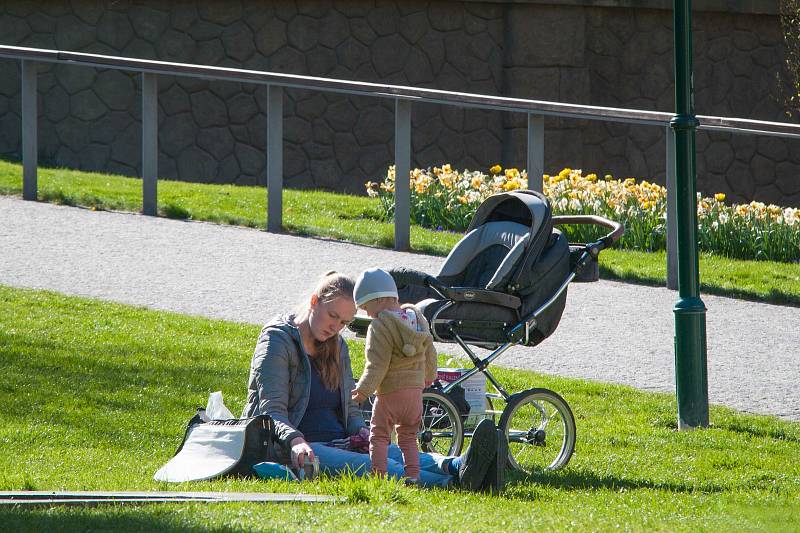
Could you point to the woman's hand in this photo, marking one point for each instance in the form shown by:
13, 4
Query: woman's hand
301, 450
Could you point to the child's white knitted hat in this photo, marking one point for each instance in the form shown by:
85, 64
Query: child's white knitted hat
374, 283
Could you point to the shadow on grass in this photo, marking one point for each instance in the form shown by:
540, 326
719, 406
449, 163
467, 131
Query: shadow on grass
174, 211
83, 200
524, 486
58, 197
777, 433
774, 296
111, 518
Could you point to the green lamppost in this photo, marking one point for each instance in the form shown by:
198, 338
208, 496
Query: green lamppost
691, 375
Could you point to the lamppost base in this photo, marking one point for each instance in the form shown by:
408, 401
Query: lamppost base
691, 374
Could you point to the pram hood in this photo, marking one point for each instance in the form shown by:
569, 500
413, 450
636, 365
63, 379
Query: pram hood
527, 208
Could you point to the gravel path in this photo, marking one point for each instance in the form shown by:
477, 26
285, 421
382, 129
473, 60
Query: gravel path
610, 331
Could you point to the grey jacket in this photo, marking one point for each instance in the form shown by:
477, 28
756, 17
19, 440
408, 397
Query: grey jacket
280, 381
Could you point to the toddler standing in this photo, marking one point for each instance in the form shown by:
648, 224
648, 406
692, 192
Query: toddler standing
400, 362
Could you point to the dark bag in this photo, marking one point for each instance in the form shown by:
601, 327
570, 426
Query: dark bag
220, 448
459, 399
458, 396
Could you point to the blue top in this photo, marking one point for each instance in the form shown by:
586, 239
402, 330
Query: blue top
321, 422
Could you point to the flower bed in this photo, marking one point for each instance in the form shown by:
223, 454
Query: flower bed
446, 199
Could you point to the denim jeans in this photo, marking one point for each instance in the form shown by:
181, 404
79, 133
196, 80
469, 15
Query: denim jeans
333, 461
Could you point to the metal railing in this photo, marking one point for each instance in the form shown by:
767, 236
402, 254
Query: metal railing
404, 98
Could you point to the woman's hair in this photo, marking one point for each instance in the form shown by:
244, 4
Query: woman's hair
331, 286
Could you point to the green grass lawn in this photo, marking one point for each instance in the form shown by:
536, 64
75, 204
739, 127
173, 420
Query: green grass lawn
357, 219
96, 396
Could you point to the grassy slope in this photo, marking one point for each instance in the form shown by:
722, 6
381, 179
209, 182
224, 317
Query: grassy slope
356, 219
95, 397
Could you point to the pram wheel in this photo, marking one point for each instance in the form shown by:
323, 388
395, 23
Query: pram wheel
540, 429
441, 430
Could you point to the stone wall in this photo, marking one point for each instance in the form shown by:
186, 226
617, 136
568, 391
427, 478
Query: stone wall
570, 51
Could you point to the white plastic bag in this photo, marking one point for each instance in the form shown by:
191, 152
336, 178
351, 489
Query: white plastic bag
216, 410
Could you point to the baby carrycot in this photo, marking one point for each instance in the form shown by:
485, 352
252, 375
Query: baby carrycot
509, 263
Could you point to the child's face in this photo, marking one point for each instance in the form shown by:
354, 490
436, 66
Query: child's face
372, 307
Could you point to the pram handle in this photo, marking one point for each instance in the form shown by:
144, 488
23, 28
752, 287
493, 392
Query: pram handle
617, 230
409, 276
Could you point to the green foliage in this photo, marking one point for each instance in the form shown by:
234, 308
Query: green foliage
753, 231
96, 397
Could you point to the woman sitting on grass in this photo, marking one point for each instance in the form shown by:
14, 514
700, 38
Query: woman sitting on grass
300, 376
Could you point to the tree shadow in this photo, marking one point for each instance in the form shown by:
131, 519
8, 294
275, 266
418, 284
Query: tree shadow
524, 486
111, 518
777, 433
776, 296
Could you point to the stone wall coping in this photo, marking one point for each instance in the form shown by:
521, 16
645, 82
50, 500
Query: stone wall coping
753, 7
498, 103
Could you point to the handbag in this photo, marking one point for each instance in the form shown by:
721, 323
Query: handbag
220, 448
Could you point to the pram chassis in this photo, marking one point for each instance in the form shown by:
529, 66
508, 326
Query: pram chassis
531, 446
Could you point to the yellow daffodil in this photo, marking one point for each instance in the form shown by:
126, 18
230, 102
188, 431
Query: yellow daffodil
569, 191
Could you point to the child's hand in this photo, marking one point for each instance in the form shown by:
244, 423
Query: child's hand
356, 396
428, 383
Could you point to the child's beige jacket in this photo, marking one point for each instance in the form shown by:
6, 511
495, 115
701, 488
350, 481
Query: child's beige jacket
397, 357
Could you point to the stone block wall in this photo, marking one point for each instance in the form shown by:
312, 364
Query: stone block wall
624, 58
570, 51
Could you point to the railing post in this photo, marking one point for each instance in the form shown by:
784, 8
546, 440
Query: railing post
535, 151
30, 152
402, 169
149, 144
672, 214
274, 158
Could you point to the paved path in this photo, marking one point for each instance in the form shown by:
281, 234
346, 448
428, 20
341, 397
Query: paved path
610, 331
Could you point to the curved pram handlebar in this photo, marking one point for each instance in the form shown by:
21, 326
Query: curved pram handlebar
409, 276
617, 230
